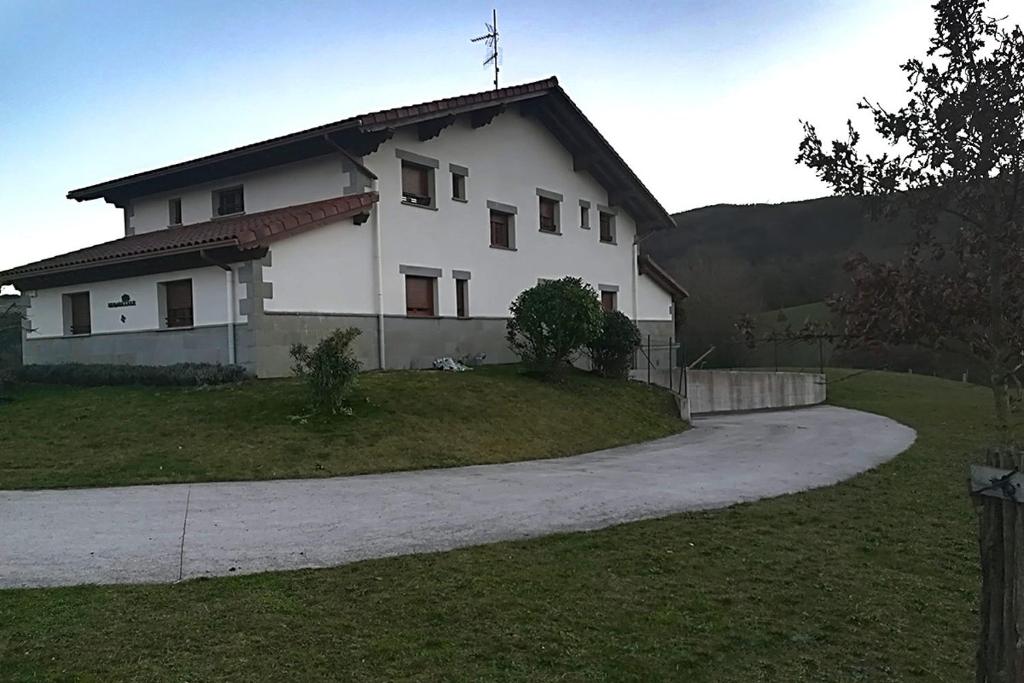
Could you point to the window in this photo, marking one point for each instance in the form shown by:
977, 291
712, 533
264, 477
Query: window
77, 316
174, 211
458, 186
608, 301
548, 215
501, 229
416, 184
419, 296
585, 217
462, 298
607, 227
228, 201
177, 303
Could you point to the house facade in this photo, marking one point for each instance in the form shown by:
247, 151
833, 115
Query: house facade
418, 225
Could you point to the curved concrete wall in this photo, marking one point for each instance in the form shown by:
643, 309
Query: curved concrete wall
725, 391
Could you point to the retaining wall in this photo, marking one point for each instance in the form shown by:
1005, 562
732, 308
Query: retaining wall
726, 391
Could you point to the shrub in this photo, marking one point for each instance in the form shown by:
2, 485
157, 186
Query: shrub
552, 321
329, 369
94, 375
611, 352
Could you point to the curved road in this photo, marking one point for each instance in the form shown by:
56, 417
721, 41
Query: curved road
150, 534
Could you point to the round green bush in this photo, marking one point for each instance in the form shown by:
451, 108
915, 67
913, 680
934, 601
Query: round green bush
553, 321
611, 352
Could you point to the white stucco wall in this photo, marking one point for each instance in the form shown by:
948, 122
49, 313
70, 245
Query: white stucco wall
209, 301
287, 185
332, 269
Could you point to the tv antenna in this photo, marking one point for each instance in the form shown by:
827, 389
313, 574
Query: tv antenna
492, 42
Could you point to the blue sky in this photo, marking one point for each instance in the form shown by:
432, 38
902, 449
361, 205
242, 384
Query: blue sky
701, 97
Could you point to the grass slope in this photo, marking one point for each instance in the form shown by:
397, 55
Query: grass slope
57, 436
871, 580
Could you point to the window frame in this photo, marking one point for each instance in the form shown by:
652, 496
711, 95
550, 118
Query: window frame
460, 180
427, 185
164, 302
509, 211
218, 195
613, 297
584, 214
410, 312
174, 208
508, 229
552, 228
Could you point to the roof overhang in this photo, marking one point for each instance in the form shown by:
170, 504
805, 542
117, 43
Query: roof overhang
647, 266
360, 135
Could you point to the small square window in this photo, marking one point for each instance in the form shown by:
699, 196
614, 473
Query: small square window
459, 187
462, 298
501, 229
585, 217
548, 215
609, 301
607, 227
77, 313
419, 296
416, 184
174, 211
176, 302
228, 201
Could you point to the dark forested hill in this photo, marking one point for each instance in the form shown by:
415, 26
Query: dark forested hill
739, 259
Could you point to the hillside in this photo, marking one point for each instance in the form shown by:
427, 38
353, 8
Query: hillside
748, 259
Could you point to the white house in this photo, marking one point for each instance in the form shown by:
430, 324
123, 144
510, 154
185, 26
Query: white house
419, 225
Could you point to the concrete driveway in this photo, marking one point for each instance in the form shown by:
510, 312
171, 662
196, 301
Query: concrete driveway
150, 534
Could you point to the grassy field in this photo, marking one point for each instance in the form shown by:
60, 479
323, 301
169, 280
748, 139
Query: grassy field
59, 436
871, 580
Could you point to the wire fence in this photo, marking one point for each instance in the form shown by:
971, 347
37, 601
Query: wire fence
661, 361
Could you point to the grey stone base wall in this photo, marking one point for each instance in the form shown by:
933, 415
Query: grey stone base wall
411, 342
206, 344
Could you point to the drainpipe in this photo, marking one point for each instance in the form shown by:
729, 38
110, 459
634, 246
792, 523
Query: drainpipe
377, 227
636, 278
229, 288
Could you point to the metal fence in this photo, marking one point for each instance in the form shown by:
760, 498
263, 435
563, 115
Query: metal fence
661, 361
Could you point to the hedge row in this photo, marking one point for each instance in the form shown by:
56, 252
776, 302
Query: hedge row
89, 375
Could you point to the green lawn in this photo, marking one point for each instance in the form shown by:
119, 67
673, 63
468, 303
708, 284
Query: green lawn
60, 436
870, 580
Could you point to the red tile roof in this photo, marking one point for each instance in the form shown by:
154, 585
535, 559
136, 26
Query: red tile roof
371, 120
244, 232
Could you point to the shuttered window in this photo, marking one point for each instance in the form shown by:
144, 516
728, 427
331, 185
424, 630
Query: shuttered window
500, 234
607, 227
178, 300
81, 317
584, 216
548, 210
462, 298
608, 302
419, 296
416, 184
458, 186
174, 211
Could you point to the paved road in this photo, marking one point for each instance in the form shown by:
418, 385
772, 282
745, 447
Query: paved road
149, 534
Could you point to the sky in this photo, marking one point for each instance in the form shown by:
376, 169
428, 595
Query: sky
702, 98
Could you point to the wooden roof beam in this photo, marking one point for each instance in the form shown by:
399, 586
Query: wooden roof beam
431, 128
482, 117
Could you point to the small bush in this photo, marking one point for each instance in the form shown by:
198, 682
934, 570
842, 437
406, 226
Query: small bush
330, 370
95, 375
552, 321
611, 352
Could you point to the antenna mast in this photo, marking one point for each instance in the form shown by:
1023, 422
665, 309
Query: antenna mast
492, 42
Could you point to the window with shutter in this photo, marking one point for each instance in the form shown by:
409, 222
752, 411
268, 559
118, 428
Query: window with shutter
174, 211
462, 298
548, 211
458, 186
228, 201
607, 227
416, 184
500, 235
608, 302
419, 296
178, 302
81, 316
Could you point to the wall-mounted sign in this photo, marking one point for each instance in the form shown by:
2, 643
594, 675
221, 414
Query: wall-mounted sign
125, 301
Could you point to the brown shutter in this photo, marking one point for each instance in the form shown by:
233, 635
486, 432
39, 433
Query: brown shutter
415, 182
547, 214
178, 296
499, 229
608, 301
81, 317
419, 296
